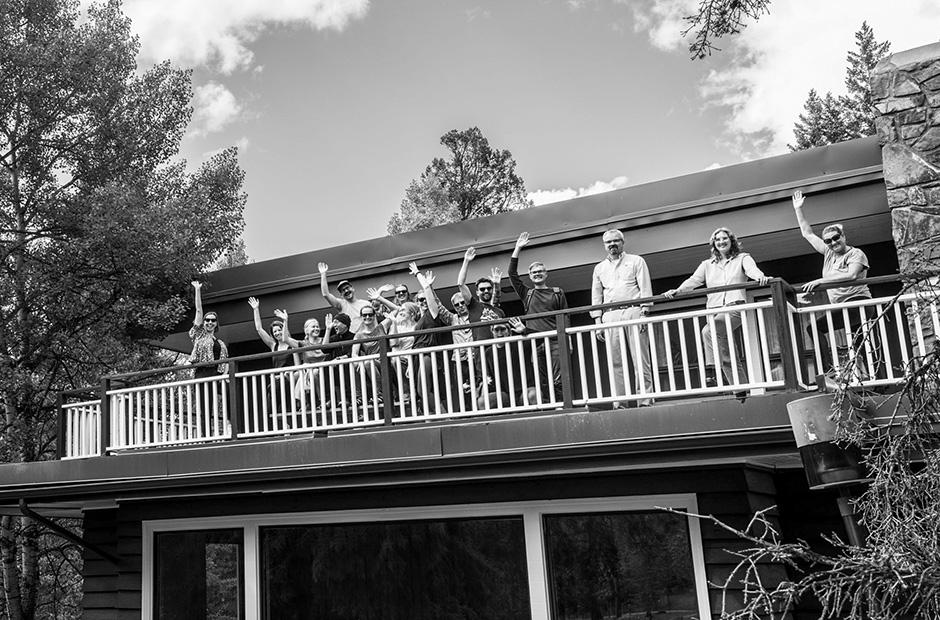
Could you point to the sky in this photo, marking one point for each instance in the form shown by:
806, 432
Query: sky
336, 105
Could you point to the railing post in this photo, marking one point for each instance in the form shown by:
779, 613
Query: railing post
61, 426
105, 416
385, 369
791, 375
564, 360
234, 411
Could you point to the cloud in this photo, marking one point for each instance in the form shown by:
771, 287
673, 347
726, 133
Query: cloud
546, 196
218, 33
766, 71
215, 107
662, 21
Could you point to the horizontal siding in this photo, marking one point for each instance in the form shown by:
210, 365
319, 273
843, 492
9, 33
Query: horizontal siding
730, 493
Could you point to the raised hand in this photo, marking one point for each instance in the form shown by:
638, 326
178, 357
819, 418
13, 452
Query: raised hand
470, 254
426, 279
253, 302
496, 275
413, 268
797, 199
516, 325
386, 287
281, 314
328, 321
196, 284
523, 240
373, 293
323, 267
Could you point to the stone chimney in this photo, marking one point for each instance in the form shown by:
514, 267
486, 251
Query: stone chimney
906, 93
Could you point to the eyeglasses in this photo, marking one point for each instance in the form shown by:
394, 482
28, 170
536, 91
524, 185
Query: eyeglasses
211, 320
832, 239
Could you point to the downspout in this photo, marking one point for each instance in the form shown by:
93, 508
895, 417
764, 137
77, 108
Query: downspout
66, 534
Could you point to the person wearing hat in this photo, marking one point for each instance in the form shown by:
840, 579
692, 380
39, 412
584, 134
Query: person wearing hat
347, 303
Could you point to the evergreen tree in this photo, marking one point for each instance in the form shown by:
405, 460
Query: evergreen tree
834, 119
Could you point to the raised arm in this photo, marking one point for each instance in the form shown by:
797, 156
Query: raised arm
197, 289
468, 256
425, 280
376, 293
496, 275
327, 328
514, 279
332, 299
805, 228
256, 313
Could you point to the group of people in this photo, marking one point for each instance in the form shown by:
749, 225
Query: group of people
358, 325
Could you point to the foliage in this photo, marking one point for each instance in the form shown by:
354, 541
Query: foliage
719, 18
101, 227
476, 180
235, 257
895, 573
830, 119
425, 205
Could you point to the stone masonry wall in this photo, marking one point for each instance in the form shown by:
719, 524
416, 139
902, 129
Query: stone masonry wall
906, 94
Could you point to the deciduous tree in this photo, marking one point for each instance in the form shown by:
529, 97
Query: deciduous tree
101, 226
476, 180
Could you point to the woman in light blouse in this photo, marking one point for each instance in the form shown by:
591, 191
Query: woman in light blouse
727, 265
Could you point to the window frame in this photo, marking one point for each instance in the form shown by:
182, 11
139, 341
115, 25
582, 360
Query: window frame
530, 511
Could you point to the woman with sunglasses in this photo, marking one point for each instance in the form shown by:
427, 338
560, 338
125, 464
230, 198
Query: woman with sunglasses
841, 263
207, 347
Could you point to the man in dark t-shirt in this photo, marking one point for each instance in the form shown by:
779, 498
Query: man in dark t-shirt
485, 306
537, 299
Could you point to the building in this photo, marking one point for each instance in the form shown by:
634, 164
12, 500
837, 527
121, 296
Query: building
231, 499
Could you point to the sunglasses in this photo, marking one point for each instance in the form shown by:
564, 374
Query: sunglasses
421, 300
211, 320
484, 289
401, 292
832, 239
459, 304
367, 314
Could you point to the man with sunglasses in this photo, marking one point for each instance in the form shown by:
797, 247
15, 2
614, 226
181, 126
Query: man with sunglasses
347, 303
841, 263
485, 306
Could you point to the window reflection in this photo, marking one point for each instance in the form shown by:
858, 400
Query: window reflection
199, 575
627, 566
433, 570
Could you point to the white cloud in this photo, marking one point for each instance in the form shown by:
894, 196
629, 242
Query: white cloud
214, 107
771, 66
546, 196
662, 21
219, 32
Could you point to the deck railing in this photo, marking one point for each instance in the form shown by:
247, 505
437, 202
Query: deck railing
779, 345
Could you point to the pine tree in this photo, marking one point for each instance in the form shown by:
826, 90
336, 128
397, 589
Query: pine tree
861, 63
832, 119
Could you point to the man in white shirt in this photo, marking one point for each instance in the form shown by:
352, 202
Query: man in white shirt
624, 277
347, 303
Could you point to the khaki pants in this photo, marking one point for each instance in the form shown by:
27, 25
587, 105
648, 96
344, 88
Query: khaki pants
629, 338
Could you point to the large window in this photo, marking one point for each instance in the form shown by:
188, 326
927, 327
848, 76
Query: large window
412, 570
199, 575
620, 565
574, 559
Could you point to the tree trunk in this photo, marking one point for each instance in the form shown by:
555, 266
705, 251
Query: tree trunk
11, 579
